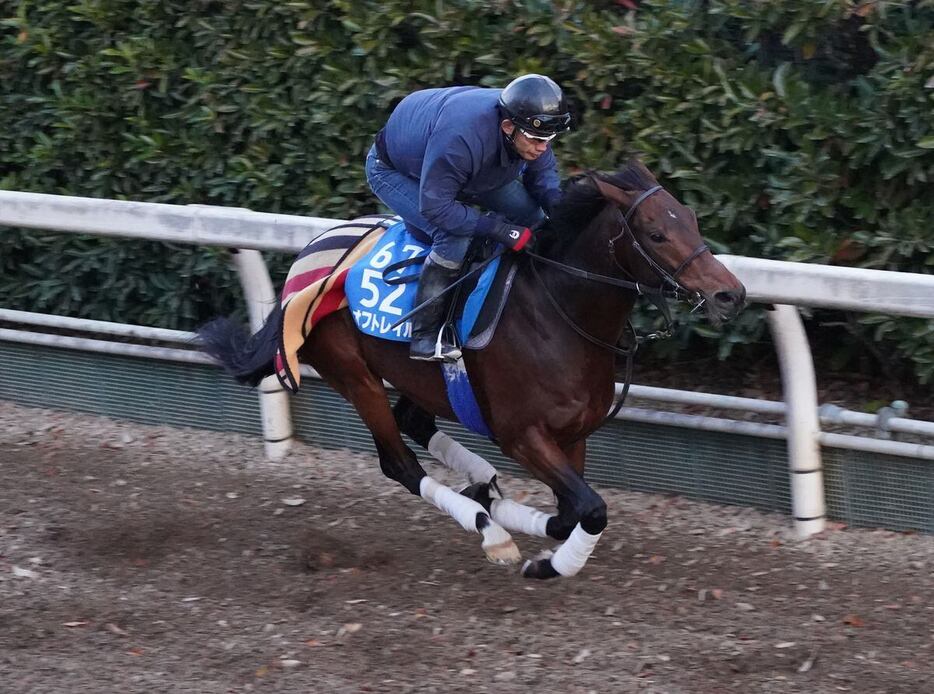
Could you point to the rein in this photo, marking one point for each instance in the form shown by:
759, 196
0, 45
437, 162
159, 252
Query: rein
638, 288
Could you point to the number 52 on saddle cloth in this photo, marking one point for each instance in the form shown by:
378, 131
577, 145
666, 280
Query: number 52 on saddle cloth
380, 292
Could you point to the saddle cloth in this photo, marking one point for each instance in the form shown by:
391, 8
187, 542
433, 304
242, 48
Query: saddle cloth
344, 267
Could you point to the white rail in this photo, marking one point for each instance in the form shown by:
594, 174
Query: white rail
768, 281
776, 282
832, 286
799, 385
200, 225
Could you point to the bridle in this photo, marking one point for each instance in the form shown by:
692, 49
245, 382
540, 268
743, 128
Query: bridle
668, 278
670, 287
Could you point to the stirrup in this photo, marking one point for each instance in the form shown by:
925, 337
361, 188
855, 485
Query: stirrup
445, 351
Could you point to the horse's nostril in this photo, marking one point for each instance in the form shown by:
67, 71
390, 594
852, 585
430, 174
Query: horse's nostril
727, 297
731, 300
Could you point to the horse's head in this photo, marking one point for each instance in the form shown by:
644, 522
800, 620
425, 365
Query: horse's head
658, 244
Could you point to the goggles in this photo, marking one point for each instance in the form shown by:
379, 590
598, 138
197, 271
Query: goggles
543, 127
539, 138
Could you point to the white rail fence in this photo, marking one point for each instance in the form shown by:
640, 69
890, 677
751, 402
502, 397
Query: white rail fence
783, 284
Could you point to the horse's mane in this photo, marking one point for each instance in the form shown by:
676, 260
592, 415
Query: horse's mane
581, 202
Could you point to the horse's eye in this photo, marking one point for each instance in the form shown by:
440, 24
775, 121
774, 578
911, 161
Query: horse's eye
657, 238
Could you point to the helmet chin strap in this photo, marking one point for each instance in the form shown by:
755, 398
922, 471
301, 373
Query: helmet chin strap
511, 138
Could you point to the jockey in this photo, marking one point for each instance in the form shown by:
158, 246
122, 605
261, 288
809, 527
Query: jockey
444, 151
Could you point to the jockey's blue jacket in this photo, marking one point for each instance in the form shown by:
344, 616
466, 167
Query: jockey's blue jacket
451, 141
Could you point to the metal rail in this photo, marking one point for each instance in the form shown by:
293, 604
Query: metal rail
630, 414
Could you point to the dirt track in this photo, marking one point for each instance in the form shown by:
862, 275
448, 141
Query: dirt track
144, 559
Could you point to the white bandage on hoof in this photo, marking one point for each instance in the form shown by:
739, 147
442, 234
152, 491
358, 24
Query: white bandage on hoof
452, 455
574, 553
519, 518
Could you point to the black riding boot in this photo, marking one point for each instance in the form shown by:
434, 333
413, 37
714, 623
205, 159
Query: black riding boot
428, 342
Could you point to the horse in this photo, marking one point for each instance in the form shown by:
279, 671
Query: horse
544, 382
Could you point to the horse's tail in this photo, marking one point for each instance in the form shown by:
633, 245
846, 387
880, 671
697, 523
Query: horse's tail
248, 358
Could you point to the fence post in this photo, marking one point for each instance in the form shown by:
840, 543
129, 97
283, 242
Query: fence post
274, 402
800, 391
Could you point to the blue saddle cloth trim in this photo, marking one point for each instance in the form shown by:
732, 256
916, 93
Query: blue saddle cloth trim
462, 399
375, 305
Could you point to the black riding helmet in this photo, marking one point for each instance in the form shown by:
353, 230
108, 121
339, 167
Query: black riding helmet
536, 104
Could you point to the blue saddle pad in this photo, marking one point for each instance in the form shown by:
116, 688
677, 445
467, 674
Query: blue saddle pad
376, 305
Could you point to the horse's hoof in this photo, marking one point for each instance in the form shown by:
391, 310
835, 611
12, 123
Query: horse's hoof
503, 554
497, 543
540, 567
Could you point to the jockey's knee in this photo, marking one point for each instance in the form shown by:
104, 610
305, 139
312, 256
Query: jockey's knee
449, 250
448, 263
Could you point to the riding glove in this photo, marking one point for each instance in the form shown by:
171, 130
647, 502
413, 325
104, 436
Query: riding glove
513, 236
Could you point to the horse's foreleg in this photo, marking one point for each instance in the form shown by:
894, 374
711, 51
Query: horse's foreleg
579, 505
420, 426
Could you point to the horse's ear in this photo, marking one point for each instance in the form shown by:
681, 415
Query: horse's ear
610, 192
637, 163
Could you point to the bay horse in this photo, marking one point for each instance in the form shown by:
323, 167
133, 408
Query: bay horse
545, 381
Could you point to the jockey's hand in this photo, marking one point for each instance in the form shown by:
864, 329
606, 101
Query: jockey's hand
513, 236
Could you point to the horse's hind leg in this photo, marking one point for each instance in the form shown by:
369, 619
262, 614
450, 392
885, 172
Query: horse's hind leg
344, 369
420, 426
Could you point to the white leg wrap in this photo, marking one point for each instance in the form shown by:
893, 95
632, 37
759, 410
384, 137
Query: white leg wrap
516, 517
459, 507
573, 554
497, 542
453, 455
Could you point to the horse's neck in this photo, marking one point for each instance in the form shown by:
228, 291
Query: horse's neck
600, 309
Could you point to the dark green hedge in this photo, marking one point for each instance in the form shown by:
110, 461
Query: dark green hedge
796, 130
